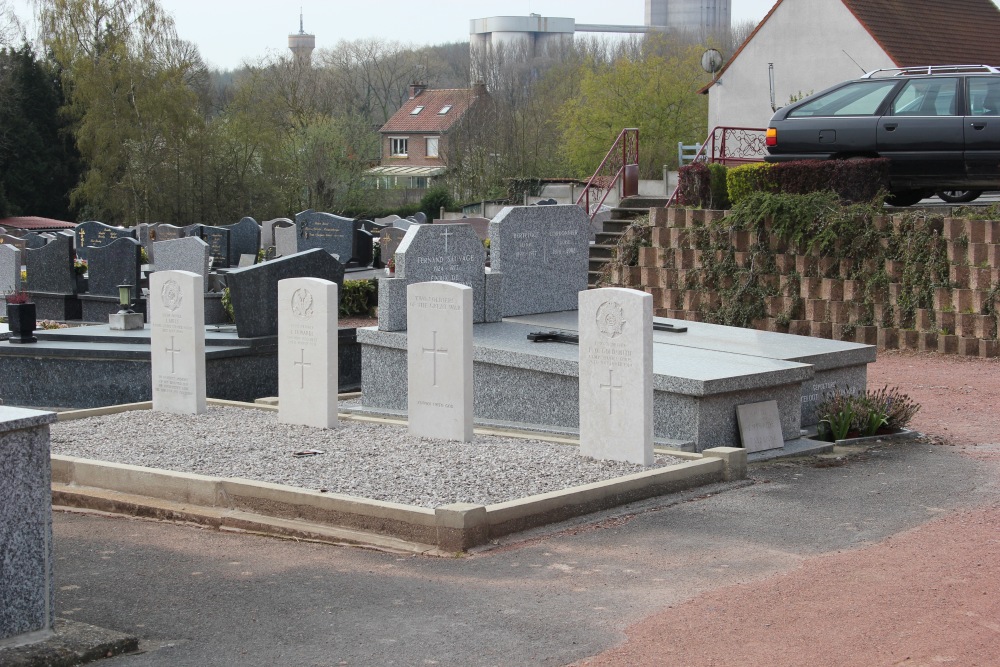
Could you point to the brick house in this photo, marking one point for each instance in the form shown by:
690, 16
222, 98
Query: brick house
415, 138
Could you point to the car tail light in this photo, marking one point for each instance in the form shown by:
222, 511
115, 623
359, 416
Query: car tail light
771, 138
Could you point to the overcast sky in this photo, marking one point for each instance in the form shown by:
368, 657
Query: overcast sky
229, 31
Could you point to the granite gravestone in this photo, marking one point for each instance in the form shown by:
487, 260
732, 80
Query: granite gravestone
267, 231
254, 290
420, 217
34, 240
93, 234
327, 231
50, 267
286, 240
363, 247
544, 254
16, 241
451, 253
390, 238
403, 224
481, 225
166, 232
307, 352
244, 239
616, 375
218, 240
388, 220
112, 265
177, 341
439, 360
182, 254
10, 269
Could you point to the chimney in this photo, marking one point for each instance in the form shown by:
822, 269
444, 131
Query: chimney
416, 89
478, 89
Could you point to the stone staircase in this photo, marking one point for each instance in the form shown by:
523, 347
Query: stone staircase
622, 216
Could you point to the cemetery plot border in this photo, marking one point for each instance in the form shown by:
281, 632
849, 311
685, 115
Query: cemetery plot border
329, 517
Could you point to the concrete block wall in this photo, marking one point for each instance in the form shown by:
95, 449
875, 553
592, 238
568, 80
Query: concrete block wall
814, 296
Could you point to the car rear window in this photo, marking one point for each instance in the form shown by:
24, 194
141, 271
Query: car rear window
927, 97
861, 98
984, 96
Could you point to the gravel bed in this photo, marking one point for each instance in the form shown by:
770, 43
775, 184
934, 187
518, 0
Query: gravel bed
371, 460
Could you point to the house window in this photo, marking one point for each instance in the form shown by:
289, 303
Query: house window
445, 109
416, 110
432, 146
397, 146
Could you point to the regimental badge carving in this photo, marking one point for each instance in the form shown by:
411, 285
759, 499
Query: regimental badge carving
610, 319
302, 304
171, 295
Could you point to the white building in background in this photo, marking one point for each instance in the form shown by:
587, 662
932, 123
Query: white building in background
698, 17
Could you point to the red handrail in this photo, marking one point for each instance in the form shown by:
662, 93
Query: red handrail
729, 146
624, 152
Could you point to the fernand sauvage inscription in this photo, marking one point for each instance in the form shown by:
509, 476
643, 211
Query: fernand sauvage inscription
610, 351
174, 325
443, 266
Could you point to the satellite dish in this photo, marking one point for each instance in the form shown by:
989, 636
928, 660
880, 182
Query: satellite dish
711, 61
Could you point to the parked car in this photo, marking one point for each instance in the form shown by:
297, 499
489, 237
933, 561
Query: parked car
938, 125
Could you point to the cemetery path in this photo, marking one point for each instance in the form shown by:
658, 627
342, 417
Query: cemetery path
888, 557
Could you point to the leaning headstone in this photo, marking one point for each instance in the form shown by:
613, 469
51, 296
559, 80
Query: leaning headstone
218, 240
182, 254
544, 254
616, 375
390, 238
27, 593
244, 239
327, 231
247, 260
10, 269
267, 231
760, 426
113, 265
50, 267
450, 252
286, 240
439, 360
93, 234
307, 352
167, 232
177, 341
254, 290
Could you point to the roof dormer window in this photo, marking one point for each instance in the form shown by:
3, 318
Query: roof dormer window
445, 109
416, 110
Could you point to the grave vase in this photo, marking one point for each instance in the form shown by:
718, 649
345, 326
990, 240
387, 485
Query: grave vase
21, 321
81, 284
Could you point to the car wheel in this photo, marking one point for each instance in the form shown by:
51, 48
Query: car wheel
958, 196
905, 197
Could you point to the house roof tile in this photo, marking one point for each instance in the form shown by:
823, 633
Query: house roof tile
430, 120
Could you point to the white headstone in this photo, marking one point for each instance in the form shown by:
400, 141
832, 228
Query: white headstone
177, 341
616, 375
10, 269
307, 352
439, 360
286, 240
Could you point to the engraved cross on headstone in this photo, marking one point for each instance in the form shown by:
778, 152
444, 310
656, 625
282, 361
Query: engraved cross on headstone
447, 233
435, 351
302, 368
172, 352
611, 387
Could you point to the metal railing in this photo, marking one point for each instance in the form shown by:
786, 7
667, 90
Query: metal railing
624, 154
730, 146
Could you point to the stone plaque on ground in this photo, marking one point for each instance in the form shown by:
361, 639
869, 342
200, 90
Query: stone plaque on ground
307, 352
50, 268
10, 269
616, 374
112, 265
254, 290
286, 240
327, 231
218, 240
760, 426
244, 239
182, 254
93, 234
451, 253
177, 341
544, 254
267, 231
390, 238
439, 360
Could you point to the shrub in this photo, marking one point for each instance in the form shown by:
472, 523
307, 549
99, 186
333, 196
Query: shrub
842, 413
694, 185
745, 180
436, 198
853, 180
718, 186
358, 297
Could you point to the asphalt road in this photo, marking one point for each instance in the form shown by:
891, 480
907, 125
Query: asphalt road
198, 597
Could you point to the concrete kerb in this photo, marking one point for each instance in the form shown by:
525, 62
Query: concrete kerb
294, 512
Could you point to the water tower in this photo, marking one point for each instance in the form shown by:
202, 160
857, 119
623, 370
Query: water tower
301, 44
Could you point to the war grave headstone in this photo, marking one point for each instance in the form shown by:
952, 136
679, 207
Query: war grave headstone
390, 238
177, 342
254, 290
94, 234
167, 232
27, 593
218, 240
327, 231
451, 253
286, 240
616, 375
16, 241
110, 266
543, 253
307, 352
439, 360
10, 269
244, 239
760, 426
267, 231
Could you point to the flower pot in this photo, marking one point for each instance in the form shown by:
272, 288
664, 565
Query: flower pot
21, 322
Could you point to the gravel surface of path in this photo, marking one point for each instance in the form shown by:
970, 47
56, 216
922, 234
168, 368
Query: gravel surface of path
371, 460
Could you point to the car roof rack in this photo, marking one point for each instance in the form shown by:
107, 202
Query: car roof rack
933, 69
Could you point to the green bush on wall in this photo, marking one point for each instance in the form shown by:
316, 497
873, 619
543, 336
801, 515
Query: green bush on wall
743, 181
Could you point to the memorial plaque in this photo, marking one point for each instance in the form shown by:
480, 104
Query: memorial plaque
760, 426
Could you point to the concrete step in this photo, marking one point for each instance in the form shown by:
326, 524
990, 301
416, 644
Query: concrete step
644, 202
601, 252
